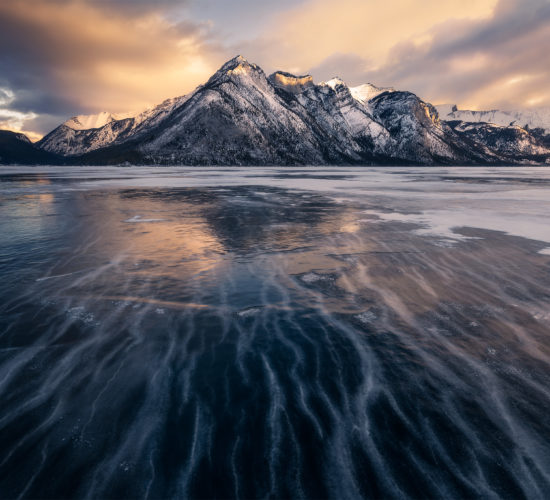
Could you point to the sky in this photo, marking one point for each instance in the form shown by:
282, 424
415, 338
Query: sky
60, 58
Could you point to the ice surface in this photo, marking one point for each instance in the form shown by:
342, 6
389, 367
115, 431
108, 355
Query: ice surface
277, 330
513, 200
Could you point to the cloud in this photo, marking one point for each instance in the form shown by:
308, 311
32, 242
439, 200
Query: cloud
12, 119
306, 35
478, 54
59, 58
62, 57
500, 62
351, 67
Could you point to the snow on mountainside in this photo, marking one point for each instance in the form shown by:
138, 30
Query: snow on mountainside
86, 122
346, 123
364, 93
242, 117
412, 122
71, 138
532, 118
509, 141
237, 117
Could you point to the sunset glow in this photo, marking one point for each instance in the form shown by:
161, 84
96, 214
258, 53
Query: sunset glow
60, 58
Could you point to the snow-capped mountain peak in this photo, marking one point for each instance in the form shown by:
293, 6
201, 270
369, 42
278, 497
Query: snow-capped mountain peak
241, 117
238, 66
86, 122
238, 70
367, 91
333, 83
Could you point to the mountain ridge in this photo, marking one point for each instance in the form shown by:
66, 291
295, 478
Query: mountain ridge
241, 116
532, 119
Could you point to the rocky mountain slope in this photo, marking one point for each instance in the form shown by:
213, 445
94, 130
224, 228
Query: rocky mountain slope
535, 121
71, 138
243, 117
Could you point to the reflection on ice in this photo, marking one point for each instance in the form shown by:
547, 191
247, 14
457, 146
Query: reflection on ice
249, 333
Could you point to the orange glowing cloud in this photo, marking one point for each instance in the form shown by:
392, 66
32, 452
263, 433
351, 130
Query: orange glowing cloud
306, 35
59, 58
448, 51
92, 58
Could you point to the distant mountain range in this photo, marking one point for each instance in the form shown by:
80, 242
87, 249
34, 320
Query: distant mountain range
243, 117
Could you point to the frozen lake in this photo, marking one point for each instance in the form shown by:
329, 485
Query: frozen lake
282, 332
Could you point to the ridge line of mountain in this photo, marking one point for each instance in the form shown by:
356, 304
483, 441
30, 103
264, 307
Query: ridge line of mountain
240, 116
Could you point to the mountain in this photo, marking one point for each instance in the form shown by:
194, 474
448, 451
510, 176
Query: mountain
241, 116
71, 138
527, 119
536, 121
16, 148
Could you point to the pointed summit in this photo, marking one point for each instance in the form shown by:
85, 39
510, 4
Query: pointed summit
239, 59
238, 64
240, 117
238, 70
367, 91
333, 83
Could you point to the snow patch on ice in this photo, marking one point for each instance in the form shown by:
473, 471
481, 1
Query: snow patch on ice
248, 312
366, 317
314, 277
433, 223
138, 218
444, 223
79, 313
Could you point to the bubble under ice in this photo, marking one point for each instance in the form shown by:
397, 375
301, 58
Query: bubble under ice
340, 333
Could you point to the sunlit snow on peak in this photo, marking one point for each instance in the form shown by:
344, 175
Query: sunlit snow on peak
367, 91
86, 122
333, 83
